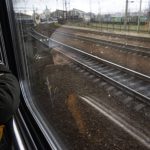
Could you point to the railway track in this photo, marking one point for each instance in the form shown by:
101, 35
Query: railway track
134, 84
142, 51
130, 37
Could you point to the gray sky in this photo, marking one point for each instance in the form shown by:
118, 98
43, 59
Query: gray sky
103, 6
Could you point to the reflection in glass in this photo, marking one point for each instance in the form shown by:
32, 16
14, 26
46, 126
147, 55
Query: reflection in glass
87, 77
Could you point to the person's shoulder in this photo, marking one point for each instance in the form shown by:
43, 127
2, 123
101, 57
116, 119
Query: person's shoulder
9, 94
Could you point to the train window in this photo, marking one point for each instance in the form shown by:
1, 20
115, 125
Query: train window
3, 58
88, 67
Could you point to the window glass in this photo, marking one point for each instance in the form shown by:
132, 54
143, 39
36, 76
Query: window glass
89, 64
3, 58
1, 54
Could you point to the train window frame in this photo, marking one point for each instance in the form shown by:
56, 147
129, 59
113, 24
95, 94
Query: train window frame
3, 57
22, 65
17, 64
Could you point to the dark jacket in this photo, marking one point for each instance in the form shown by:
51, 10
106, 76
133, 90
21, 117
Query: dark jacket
9, 94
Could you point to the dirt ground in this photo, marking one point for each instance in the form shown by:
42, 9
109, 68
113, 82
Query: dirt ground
132, 61
118, 39
78, 125
57, 87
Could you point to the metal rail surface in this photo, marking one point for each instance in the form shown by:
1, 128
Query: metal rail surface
143, 51
129, 81
134, 83
131, 37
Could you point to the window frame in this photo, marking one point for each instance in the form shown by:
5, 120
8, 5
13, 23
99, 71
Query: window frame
18, 66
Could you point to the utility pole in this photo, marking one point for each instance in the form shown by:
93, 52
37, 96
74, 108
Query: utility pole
99, 9
90, 9
69, 4
139, 16
56, 9
66, 8
149, 16
63, 9
126, 15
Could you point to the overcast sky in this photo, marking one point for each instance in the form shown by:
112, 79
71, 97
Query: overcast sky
97, 6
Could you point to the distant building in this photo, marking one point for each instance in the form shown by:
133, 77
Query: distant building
76, 13
86, 18
90, 15
59, 14
24, 18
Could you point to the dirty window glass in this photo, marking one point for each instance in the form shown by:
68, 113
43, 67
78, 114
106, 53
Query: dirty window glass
3, 58
89, 64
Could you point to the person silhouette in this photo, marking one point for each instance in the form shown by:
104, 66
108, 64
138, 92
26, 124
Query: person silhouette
9, 102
